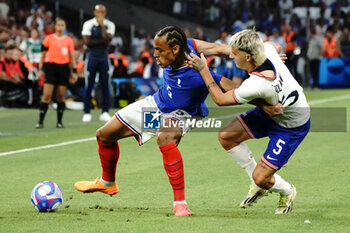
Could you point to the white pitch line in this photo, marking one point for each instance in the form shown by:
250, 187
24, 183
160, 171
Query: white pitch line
330, 99
47, 146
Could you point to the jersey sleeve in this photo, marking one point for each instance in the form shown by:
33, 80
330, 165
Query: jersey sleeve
249, 90
192, 45
86, 28
111, 28
46, 42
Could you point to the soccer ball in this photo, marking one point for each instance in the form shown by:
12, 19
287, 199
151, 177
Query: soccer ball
46, 196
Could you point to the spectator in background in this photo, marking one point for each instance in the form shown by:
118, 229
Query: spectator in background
137, 42
200, 34
314, 55
14, 76
2, 53
331, 45
48, 17
4, 9
227, 67
277, 38
59, 70
117, 42
290, 37
4, 37
35, 20
49, 29
32, 47
221, 63
21, 17
97, 34
286, 7
187, 32
321, 25
120, 64
345, 42
144, 59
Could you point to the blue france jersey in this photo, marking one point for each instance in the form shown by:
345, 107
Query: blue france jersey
184, 89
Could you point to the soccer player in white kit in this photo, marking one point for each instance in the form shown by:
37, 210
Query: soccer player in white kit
271, 81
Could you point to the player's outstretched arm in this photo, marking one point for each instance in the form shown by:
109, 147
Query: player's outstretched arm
213, 49
200, 64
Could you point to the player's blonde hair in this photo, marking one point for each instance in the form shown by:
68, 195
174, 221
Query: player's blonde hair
250, 42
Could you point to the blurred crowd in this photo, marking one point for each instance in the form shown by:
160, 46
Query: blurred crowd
307, 31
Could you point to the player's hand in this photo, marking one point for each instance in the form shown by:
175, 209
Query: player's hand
194, 62
275, 110
73, 78
283, 57
40, 75
99, 20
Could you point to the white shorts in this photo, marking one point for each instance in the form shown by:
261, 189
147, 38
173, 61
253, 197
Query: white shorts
132, 117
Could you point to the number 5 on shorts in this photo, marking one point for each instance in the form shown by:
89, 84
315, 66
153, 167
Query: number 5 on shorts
279, 144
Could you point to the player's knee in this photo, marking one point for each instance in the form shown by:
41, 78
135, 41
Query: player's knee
100, 136
225, 139
260, 180
46, 98
164, 138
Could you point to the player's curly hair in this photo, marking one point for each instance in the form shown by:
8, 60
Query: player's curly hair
175, 36
250, 42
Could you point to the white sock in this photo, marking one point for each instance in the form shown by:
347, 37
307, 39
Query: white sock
107, 183
184, 201
243, 156
281, 186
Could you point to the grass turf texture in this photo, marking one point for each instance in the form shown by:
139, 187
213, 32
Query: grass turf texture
215, 185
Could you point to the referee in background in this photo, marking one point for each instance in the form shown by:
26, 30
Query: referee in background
97, 34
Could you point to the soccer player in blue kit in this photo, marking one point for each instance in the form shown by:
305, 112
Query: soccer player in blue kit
270, 80
181, 97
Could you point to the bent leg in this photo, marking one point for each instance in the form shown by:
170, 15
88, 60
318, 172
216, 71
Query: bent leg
108, 147
265, 177
232, 138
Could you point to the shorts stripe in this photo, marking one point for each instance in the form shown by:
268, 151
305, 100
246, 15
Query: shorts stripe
264, 160
245, 126
129, 127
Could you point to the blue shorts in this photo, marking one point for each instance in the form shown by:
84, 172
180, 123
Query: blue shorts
283, 141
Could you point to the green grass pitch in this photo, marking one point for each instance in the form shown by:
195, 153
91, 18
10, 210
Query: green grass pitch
215, 184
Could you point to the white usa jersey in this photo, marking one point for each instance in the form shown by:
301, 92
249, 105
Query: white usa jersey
283, 88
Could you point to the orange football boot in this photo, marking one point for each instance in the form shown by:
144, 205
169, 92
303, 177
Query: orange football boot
95, 186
